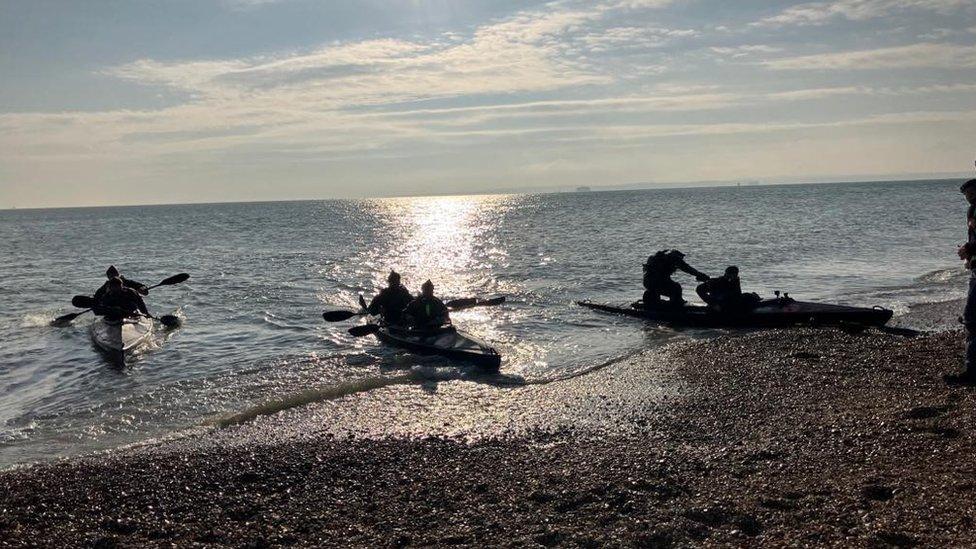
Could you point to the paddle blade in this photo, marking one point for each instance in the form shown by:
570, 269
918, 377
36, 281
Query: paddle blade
170, 321
338, 316
468, 302
82, 301
64, 320
462, 303
175, 279
363, 330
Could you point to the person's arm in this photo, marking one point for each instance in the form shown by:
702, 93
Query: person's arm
410, 312
376, 304
141, 305
100, 293
137, 286
700, 276
443, 315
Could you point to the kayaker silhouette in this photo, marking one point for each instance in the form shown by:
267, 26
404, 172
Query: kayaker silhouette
391, 301
120, 302
658, 271
427, 311
724, 293
967, 253
111, 273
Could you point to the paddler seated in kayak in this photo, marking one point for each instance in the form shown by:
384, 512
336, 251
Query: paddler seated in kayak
724, 293
111, 273
658, 271
391, 301
427, 312
120, 302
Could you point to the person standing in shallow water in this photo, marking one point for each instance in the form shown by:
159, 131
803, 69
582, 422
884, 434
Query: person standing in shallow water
967, 253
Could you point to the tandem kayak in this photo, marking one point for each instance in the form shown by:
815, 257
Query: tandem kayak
772, 313
121, 336
447, 342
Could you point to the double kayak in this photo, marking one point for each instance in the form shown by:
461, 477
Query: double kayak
446, 341
121, 336
771, 313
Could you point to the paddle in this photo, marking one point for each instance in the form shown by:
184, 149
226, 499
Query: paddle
364, 330
455, 305
175, 279
468, 302
79, 301
341, 314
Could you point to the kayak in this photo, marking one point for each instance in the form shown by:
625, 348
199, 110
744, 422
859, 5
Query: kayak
121, 336
771, 313
447, 342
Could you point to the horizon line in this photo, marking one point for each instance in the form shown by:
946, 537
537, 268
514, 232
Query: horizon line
638, 186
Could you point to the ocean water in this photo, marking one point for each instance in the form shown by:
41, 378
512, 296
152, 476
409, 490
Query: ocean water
253, 340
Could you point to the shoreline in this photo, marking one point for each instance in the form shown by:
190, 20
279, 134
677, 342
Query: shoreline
774, 438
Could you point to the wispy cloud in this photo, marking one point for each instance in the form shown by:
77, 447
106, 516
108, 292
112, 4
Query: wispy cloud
743, 51
924, 55
819, 13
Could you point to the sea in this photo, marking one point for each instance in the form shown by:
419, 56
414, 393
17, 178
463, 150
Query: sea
253, 342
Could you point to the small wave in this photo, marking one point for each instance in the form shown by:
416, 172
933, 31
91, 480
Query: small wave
278, 322
311, 396
36, 320
16, 434
943, 276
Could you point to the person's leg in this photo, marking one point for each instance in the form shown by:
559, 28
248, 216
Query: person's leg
969, 319
703, 294
673, 292
652, 298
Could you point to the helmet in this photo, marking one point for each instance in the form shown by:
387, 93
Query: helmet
967, 185
111, 272
732, 270
393, 277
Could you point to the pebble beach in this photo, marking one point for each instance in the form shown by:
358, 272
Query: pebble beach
785, 438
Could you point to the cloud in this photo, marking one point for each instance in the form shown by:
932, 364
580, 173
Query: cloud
819, 13
746, 50
923, 55
311, 98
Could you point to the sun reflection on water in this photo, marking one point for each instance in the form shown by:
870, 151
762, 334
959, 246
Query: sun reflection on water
447, 239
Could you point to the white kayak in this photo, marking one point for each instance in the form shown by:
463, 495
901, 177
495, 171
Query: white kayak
121, 336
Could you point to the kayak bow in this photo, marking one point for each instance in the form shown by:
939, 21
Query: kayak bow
447, 342
121, 336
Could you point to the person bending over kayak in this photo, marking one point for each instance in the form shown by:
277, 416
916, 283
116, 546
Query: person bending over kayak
391, 301
120, 302
658, 271
427, 311
967, 253
111, 273
725, 293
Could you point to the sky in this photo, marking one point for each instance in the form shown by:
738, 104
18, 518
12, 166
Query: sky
139, 101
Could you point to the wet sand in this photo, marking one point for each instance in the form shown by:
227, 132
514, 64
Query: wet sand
781, 438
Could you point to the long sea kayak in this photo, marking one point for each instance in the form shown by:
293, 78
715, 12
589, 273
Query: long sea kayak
447, 342
121, 336
772, 313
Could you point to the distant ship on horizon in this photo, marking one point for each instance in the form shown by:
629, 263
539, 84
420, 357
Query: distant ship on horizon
583, 189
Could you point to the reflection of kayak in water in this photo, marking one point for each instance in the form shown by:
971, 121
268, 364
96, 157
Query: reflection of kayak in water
121, 336
447, 341
772, 313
